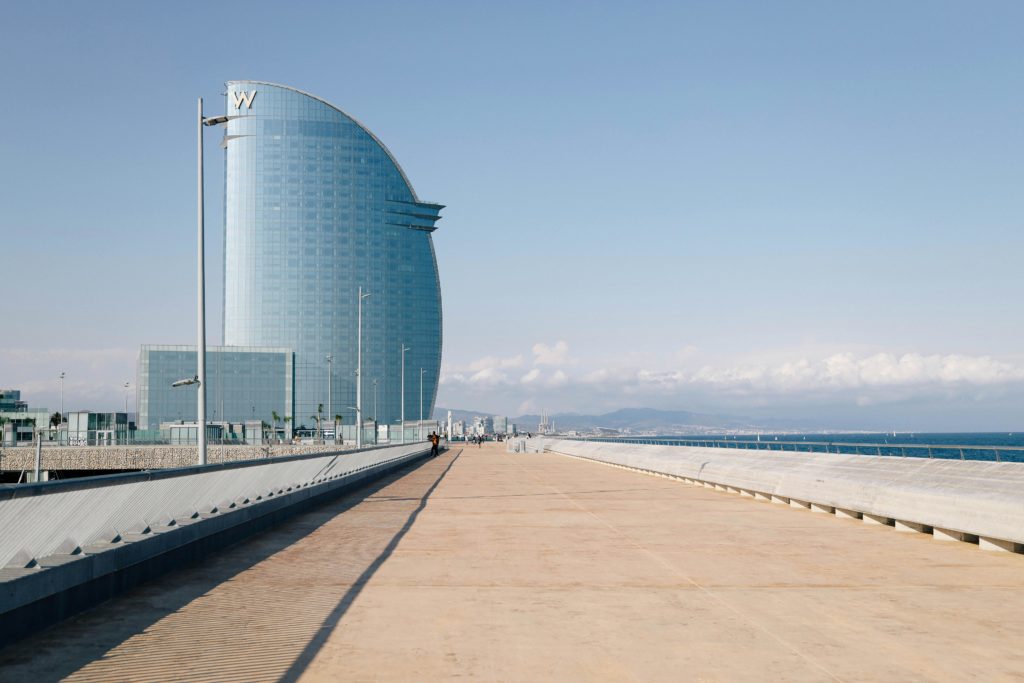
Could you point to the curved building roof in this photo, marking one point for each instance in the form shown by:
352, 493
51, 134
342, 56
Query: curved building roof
341, 111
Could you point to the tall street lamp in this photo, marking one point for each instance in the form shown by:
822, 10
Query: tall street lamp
402, 428
62, 395
359, 370
330, 377
126, 385
201, 293
420, 429
375, 400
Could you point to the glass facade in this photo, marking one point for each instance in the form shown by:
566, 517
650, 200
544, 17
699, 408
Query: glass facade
241, 384
316, 207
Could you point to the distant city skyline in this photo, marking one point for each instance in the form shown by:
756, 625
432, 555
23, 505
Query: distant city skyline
780, 210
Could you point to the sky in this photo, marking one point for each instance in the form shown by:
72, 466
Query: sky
785, 209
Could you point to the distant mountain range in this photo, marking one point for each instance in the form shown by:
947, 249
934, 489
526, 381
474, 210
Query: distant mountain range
644, 420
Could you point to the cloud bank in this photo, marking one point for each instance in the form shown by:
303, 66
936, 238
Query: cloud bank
561, 381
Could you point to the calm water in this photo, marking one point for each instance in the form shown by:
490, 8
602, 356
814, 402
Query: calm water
952, 438
943, 445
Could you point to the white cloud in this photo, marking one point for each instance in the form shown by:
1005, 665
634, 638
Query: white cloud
531, 376
847, 371
801, 382
558, 379
494, 362
551, 355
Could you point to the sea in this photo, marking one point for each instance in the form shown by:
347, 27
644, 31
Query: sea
1001, 446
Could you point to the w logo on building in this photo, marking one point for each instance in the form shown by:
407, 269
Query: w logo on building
243, 97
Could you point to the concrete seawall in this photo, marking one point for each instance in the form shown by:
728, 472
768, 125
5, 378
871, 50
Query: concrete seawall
145, 457
981, 502
72, 544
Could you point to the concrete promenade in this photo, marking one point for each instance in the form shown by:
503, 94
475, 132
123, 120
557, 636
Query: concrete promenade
526, 567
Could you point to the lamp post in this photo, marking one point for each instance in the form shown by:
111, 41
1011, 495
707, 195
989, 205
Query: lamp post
330, 377
62, 395
359, 370
126, 385
419, 429
375, 400
201, 282
402, 428
201, 289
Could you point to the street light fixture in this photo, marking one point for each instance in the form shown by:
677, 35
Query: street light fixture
359, 370
420, 429
62, 395
126, 385
189, 381
202, 121
402, 428
330, 377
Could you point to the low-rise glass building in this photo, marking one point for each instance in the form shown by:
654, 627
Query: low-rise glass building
242, 383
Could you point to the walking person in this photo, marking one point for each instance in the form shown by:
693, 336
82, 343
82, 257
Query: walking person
435, 440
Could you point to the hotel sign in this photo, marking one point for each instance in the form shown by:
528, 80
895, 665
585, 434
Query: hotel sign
243, 97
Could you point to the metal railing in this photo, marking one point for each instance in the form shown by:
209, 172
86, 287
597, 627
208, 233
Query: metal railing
904, 450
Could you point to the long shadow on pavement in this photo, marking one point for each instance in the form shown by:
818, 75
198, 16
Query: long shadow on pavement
334, 618
68, 647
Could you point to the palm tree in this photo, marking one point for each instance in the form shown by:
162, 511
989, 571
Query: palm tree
277, 418
319, 417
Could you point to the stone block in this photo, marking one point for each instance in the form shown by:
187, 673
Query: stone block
877, 519
999, 545
952, 535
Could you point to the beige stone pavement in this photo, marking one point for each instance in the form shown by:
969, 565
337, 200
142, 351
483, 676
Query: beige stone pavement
514, 567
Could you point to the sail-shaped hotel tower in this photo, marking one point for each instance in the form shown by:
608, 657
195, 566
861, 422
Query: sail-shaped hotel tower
315, 208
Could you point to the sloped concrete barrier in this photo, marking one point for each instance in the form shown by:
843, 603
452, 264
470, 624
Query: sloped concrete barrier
974, 501
68, 545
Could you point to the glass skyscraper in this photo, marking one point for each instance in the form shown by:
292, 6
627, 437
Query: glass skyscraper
316, 207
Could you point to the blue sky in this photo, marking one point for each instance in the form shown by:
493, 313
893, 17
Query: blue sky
778, 209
